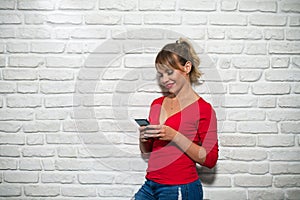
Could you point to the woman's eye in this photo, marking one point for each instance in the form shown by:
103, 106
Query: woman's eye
159, 75
170, 72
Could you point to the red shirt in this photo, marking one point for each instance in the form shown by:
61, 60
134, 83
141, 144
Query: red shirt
170, 165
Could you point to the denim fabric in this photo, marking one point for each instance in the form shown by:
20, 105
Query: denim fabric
155, 191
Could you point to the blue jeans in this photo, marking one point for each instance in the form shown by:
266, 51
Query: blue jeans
155, 191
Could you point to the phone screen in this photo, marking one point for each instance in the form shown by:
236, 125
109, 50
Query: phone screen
142, 122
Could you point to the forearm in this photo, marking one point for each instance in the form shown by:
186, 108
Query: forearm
146, 145
194, 151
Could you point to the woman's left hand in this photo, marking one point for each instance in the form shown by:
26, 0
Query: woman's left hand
161, 132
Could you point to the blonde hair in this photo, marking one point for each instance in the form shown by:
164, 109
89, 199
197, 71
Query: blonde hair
180, 52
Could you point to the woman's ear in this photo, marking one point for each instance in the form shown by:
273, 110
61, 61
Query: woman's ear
187, 67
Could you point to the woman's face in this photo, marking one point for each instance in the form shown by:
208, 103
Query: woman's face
173, 80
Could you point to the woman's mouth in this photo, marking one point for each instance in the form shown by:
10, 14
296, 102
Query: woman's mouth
169, 85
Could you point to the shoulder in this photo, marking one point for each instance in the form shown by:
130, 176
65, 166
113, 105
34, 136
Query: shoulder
158, 101
205, 107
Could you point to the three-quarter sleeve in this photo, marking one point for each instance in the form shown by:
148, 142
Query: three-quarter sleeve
207, 131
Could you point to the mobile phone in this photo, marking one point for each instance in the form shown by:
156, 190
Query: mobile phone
142, 122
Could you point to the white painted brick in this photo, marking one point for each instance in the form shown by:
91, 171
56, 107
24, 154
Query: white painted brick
31, 164
221, 47
296, 62
276, 141
294, 21
58, 177
284, 48
47, 47
280, 62
10, 190
11, 127
249, 75
237, 141
145, 34
194, 18
38, 151
130, 178
35, 18
216, 33
193, 5
78, 191
267, 88
41, 191
12, 138
228, 5
259, 168
76, 4
292, 34
106, 19
48, 164
64, 19
9, 151
289, 101
292, 194
251, 62
63, 138
16, 114
253, 181
7, 87
33, 5
282, 75
244, 33
249, 154
119, 5
157, 5
133, 19
228, 19
256, 49
157, 18
26, 61
267, 20
81, 126
58, 87
274, 34
290, 127
7, 32
290, 6
35, 139
227, 194
7, 5
287, 181
28, 87
24, 101
239, 101
67, 152
64, 62
238, 88
21, 177
10, 19
115, 191
263, 6
257, 127
284, 155
194, 33
283, 115
279, 168
245, 115
264, 194
17, 47
33, 33
19, 74
41, 126
96, 178
56, 101
51, 114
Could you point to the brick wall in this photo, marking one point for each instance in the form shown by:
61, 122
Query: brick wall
74, 73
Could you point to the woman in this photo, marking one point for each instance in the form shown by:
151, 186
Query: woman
182, 130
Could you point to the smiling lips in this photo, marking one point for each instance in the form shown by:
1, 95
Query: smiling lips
169, 85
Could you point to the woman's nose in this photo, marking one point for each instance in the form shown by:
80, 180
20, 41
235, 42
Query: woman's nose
164, 78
